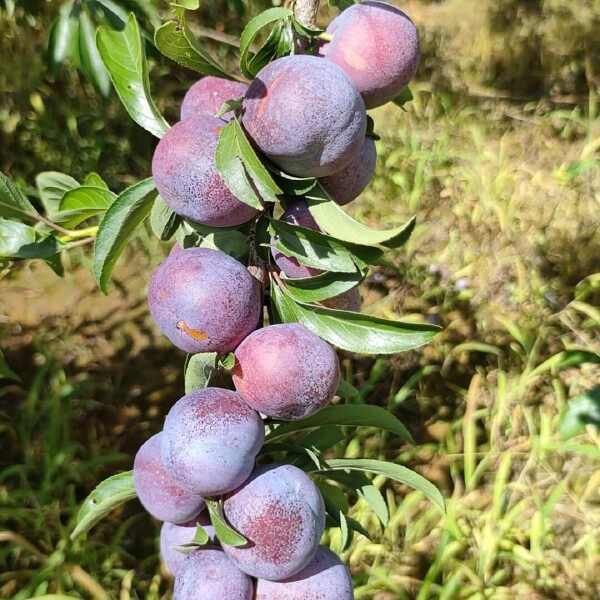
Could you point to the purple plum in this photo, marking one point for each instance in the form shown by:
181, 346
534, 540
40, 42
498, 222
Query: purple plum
208, 94
305, 115
207, 574
184, 170
377, 46
210, 440
158, 492
286, 371
325, 578
203, 300
281, 513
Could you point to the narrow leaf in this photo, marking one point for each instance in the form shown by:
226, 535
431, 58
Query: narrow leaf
332, 218
90, 60
120, 221
376, 501
109, 494
354, 332
391, 471
353, 415
163, 220
321, 287
62, 41
225, 534
199, 369
13, 203
124, 56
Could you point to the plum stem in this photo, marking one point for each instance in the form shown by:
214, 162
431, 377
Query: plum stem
306, 12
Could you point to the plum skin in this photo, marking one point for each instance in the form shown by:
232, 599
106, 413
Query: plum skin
346, 185
208, 95
158, 492
305, 115
207, 573
281, 513
377, 46
285, 371
325, 578
203, 300
184, 170
210, 441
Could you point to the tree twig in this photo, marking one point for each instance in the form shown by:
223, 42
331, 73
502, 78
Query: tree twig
306, 12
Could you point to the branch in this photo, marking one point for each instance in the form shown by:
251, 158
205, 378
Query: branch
306, 12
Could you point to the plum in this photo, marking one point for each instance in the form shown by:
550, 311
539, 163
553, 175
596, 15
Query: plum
346, 185
208, 94
207, 574
285, 371
377, 46
203, 300
210, 440
325, 578
158, 492
305, 115
184, 170
173, 536
281, 513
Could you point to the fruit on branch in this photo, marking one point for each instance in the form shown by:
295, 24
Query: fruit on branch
286, 371
210, 441
159, 493
281, 513
305, 115
208, 94
325, 578
184, 170
203, 300
298, 213
377, 46
208, 574
172, 537
347, 185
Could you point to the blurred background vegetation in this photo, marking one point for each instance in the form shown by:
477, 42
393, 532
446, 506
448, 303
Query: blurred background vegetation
499, 156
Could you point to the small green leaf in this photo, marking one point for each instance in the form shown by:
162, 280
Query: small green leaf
354, 332
128, 211
344, 531
199, 369
227, 362
163, 221
90, 59
115, 12
334, 220
176, 42
52, 186
5, 371
252, 29
225, 534
63, 38
391, 471
124, 56
87, 198
353, 415
13, 203
376, 501
335, 498
234, 243
279, 43
201, 538
403, 97
109, 494
581, 411
14, 236
94, 180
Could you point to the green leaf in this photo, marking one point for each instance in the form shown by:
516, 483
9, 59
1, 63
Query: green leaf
252, 29
227, 361
90, 60
176, 42
234, 243
354, 332
124, 57
5, 371
114, 11
109, 494
241, 169
62, 41
13, 203
391, 471
344, 531
403, 97
581, 411
87, 198
335, 498
279, 43
94, 180
225, 534
128, 211
334, 220
199, 369
163, 220
45, 248
321, 251
376, 501
52, 186
14, 236
353, 415
187, 4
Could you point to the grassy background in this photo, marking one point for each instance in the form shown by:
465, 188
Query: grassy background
498, 156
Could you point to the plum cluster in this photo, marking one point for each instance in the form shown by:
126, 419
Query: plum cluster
306, 115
